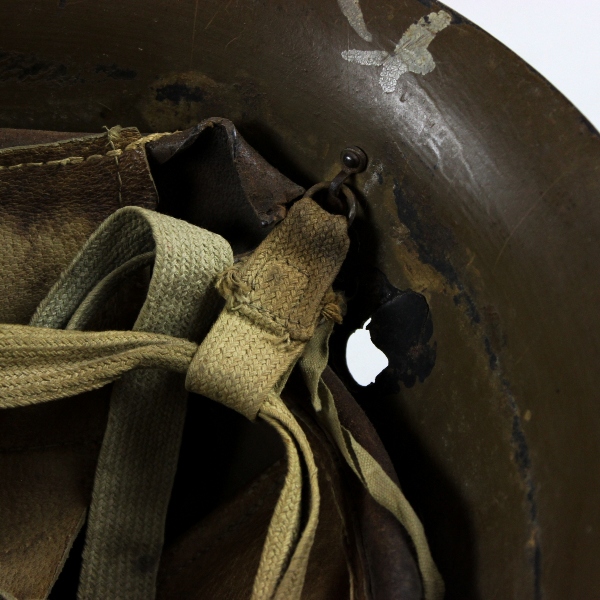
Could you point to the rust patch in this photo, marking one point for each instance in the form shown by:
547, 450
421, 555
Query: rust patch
402, 329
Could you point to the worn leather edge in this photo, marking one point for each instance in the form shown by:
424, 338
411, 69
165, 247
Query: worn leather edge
9, 138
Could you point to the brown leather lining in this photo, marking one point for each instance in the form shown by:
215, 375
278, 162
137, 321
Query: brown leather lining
48, 452
392, 567
27, 137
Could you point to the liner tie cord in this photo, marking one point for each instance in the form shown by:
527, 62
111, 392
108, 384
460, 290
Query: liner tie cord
279, 310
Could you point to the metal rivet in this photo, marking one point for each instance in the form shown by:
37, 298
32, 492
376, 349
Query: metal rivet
350, 160
354, 159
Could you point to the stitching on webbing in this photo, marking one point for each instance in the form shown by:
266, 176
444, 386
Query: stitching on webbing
72, 160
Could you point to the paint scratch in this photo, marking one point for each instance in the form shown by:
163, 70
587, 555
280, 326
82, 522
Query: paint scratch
526, 216
375, 178
231, 41
210, 22
410, 54
353, 12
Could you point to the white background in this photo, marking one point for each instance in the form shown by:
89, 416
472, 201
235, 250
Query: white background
558, 38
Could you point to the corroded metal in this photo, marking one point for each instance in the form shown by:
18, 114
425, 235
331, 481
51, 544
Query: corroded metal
481, 197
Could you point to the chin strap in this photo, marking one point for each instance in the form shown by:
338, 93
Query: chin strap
278, 300
138, 457
370, 473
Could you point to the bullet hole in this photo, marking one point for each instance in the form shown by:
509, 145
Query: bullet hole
364, 359
393, 346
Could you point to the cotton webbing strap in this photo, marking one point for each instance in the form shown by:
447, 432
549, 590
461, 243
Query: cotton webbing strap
139, 452
274, 302
367, 469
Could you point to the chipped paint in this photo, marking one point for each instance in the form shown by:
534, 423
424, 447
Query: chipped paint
353, 12
375, 178
410, 54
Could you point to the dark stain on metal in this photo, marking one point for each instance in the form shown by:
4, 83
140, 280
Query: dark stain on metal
491, 320
491, 355
116, 72
463, 299
456, 18
588, 126
402, 329
28, 68
428, 236
522, 459
176, 92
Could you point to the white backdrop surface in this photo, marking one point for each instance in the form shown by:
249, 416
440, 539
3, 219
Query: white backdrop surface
558, 38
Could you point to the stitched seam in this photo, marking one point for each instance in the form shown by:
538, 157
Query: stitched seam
262, 317
148, 138
72, 160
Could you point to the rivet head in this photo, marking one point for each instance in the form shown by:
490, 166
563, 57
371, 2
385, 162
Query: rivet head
350, 160
354, 159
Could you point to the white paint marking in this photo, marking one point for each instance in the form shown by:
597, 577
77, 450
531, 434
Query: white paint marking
353, 12
374, 178
410, 54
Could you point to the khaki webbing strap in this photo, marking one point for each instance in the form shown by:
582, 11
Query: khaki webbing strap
39, 365
139, 453
274, 301
285, 553
277, 300
367, 469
